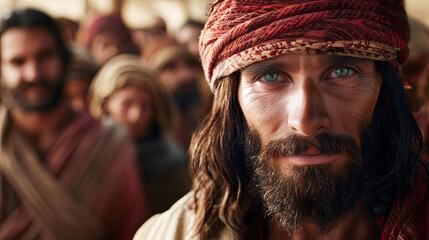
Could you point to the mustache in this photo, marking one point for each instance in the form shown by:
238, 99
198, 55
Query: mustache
294, 145
41, 83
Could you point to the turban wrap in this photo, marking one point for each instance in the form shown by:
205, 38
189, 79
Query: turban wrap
241, 32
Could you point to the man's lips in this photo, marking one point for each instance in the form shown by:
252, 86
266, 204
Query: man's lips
310, 157
311, 151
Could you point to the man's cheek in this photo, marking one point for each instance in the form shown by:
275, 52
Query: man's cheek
10, 80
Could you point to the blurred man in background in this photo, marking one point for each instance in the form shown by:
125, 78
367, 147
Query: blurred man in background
150, 37
79, 75
189, 35
63, 175
416, 73
181, 75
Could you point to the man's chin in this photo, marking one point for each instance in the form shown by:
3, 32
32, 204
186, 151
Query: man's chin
320, 186
37, 103
313, 194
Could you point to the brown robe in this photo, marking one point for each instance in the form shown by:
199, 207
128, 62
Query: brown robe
87, 186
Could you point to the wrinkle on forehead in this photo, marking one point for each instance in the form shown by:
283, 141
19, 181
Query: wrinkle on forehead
290, 59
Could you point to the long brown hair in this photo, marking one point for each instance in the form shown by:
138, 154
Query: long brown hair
221, 178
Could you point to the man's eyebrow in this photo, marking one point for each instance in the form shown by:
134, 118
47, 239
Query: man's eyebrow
266, 66
335, 60
271, 65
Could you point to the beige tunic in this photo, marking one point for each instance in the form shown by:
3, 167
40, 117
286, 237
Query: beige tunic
177, 224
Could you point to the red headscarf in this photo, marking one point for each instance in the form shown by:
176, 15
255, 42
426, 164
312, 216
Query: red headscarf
241, 32
107, 23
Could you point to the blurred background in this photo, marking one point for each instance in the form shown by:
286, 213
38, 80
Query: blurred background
134, 12
138, 12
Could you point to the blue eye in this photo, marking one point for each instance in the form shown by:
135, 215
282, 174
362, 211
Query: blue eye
271, 77
341, 72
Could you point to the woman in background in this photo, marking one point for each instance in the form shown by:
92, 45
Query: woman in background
128, 93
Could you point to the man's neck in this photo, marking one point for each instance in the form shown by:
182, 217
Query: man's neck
41, 128
357, 225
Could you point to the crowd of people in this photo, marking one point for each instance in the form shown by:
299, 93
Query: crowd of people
96, 121
313, 124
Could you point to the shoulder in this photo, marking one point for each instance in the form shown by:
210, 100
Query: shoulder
178, 223
174, 224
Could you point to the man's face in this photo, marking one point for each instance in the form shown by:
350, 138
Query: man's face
30, 68
308, 117
180, 78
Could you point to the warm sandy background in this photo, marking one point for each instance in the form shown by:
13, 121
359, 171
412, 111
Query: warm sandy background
418, 9
175, 12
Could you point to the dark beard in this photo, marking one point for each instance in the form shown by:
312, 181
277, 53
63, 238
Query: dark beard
17, 95
315, 194
187, 96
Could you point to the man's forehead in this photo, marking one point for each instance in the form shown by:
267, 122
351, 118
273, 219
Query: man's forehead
18, 41
291, 59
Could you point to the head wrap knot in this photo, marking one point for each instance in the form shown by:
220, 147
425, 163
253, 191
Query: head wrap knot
241, 32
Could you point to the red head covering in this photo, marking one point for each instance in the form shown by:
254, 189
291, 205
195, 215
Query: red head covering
241, 32
107, 23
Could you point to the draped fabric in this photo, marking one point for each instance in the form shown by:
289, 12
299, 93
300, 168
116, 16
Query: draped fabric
69, 194
409, 220
241, 32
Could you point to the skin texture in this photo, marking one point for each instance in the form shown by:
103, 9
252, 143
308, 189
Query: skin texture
132, 107
306, 96
308, 99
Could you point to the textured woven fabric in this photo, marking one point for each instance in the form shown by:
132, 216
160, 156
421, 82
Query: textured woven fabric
241, 32
409, 220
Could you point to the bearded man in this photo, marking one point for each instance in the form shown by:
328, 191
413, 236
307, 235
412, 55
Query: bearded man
310, 136
63, 175
181, 75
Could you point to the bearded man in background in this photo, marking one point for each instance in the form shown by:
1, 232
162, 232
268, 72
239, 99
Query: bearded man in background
63, 175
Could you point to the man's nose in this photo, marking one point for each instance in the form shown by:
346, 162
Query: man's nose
31, 71
307, 111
